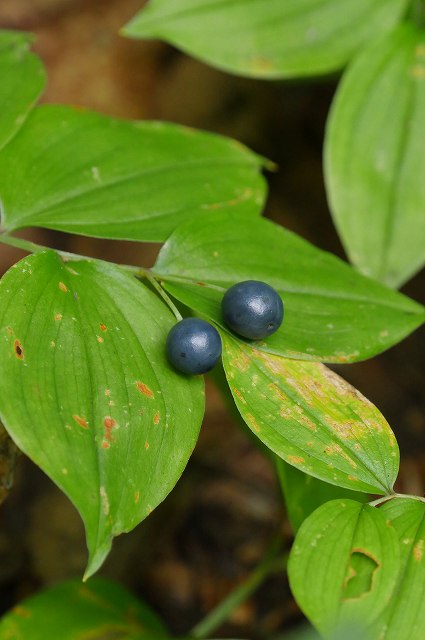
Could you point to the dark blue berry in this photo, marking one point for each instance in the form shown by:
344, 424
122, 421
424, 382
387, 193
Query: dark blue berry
193, 346
252, 309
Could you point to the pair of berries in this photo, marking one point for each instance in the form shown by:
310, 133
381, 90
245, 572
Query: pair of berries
251, 309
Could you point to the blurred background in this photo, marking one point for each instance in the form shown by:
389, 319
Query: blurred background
218, 522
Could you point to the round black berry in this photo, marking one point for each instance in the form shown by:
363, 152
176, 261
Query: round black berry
252, 309
193, 346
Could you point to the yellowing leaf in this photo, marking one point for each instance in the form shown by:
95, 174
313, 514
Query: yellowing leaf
312, 418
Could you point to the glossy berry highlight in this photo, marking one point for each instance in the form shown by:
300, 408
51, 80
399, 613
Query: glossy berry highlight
252, 309
193, 346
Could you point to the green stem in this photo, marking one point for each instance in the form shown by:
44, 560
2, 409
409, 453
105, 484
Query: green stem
20, 243
32, 247
273, 561
157, 286
186, 280
379, 501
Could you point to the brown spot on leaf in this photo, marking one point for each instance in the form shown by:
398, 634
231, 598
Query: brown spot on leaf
201, 284
9, 331
418, 550
156, 418
295, 460
109, 423
103, 327
99, 339
19, 351
58, 316
63, 287
260, 64
80, 421
241, 362
252, 422
105, 444
239, 395
336, 449
143, 388
146, 445
21, 612
136, 497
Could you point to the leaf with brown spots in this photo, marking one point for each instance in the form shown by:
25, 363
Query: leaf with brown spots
82, 172
332, 313
100, 610
404, 617
312, 418
84, 411
268, 38
343, 565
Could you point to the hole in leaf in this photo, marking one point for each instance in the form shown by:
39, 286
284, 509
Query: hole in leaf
19, 352
359, 577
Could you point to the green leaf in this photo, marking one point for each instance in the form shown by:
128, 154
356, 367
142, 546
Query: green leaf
86, 391
73, 611
374, 157
343, 565
81, 172
22, 79
268, 38
312, 418
404, 618
332, 313
304, 493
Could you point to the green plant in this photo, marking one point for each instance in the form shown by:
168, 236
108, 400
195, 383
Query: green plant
82, 341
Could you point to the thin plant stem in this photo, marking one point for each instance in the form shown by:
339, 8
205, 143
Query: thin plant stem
379, 501
273, 561
32, 247
186, 280
20, 243
157, 286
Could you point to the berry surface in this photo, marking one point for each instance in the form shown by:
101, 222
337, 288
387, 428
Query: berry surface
252, 309
193, 346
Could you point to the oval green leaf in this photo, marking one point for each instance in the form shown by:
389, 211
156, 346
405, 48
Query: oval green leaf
343, 565
332, 313
304, 493
84, 173
73, 611
268, 38
404, 617
374, 157
312, 418
86, 391
22, 79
